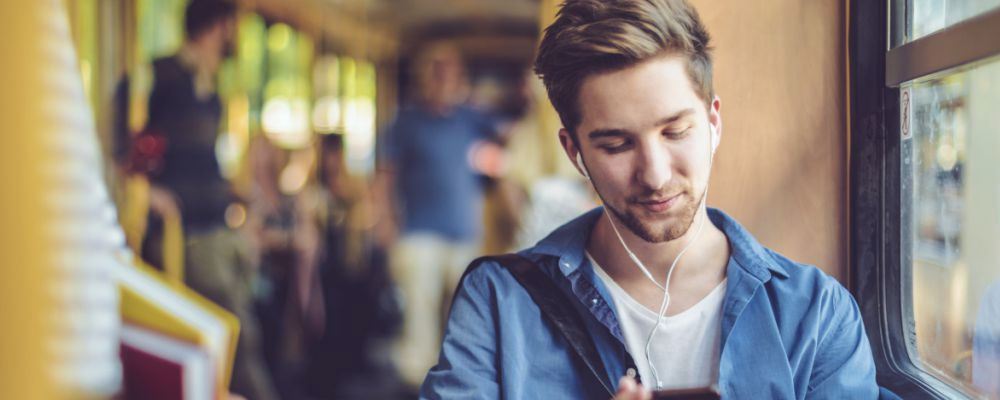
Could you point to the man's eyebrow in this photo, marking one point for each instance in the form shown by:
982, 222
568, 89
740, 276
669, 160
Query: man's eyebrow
673, 118
599, 133
615, 132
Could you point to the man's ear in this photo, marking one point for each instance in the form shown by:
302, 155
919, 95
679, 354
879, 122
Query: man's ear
715, 118
570, 148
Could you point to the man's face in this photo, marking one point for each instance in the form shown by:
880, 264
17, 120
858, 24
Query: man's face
441, 78
645, 139
332, 160
228, 37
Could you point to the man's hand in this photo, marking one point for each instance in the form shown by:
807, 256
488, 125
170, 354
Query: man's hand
628, 389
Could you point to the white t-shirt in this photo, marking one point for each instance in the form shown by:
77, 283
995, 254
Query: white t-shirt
685, 348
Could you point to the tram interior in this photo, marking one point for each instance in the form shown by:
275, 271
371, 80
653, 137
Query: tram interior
307, 92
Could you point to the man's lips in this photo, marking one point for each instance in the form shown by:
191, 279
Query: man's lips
659, 205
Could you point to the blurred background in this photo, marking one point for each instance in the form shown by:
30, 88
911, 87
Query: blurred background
274, 199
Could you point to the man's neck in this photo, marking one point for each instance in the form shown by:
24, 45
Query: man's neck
200, 56
705, 260
202, 60
438, 108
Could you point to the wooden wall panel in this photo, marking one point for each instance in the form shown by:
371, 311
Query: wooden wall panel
780, 70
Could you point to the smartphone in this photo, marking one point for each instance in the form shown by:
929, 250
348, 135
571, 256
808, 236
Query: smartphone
702, 393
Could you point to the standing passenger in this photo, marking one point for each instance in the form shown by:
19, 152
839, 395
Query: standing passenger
287, 290
362, 308
185, 109
426, 176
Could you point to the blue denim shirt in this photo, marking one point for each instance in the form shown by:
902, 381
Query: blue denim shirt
437, 189
789, 331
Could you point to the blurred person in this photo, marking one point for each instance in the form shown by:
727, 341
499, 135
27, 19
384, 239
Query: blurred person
501, 197
624, 311
185, 111
552, 192
431, 194
288, 293
986, 344
362, 307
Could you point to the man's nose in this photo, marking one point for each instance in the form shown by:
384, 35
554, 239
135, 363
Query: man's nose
654, 167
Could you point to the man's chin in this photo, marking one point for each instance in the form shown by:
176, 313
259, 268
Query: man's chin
657, 227
655, 232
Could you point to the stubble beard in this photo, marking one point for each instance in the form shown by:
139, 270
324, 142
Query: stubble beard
648, 232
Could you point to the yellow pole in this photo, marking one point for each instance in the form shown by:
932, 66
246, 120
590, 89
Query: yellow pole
26, 268
58, 234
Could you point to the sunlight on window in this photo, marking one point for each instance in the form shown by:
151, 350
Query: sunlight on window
956, 225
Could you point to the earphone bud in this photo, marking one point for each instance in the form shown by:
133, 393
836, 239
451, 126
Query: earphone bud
713, 137
579, 163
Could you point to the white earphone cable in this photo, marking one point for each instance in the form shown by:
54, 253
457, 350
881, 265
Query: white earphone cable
635, 259
632, 255
666, 286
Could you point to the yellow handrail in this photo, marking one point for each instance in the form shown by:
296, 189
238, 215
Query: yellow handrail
173, 247
137, 206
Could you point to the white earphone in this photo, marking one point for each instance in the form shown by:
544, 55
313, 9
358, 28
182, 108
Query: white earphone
713, 144
714, 138
579, 163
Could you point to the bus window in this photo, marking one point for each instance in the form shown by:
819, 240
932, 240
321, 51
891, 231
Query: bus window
954, 226
925, 195
919, 18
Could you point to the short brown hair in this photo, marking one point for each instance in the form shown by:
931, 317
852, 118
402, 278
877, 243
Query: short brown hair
201, 15
597, 36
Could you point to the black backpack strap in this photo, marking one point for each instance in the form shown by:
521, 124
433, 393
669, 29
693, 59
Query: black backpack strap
556, 308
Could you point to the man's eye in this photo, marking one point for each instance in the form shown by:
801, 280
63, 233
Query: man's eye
615, 147
677, 134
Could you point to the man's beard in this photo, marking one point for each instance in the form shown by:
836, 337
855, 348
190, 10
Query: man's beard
648, 232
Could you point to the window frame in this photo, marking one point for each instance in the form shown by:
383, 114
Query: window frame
878, 185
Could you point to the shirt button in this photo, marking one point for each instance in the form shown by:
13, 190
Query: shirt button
594, 301
630, 372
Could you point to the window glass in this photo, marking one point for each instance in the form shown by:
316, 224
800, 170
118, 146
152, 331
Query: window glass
241, 90
359, 114
285, 116
955, 162
160, 31
83, 24
923, 17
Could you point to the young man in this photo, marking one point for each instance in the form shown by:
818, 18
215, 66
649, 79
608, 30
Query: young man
632, 83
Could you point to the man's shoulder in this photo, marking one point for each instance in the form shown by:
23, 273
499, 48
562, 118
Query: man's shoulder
494, 268
798, 273
806, 284
490, 276
407, 121
766, 264
474, 114
407, 112
166, 69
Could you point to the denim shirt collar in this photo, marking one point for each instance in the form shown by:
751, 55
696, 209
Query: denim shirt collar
750, 266
569, 242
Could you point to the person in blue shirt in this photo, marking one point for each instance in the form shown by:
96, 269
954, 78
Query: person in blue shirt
672, 293
431, 193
